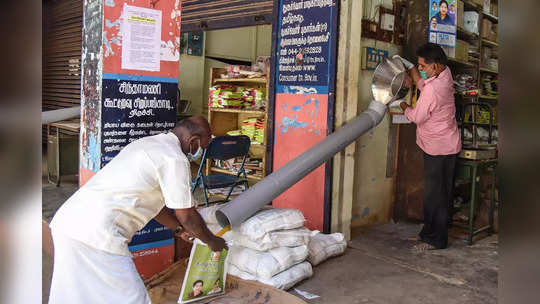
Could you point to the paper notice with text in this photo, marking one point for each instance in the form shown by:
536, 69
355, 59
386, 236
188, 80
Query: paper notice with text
141, 38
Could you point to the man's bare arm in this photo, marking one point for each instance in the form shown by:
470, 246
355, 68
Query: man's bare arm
166, 218
194, 224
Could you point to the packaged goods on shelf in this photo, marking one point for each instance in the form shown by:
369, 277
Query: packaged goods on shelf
254, 129
234, 71
224, 191
462, 50
234, 132
464, 83
251, 166
261, 65
490, 85
228, 96
470, 21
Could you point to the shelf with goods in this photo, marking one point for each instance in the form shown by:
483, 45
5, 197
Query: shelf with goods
475, 68
489, 43
224, 119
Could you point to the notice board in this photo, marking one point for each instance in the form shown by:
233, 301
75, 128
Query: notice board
304, 81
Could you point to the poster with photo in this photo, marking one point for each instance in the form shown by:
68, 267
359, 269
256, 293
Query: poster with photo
206, 274
442, 22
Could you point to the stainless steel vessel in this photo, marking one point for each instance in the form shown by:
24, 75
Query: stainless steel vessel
390, 81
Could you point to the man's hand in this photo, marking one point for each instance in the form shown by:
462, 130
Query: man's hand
408, 65
395, 103
184, 236
217, 244
403, 105
194, 225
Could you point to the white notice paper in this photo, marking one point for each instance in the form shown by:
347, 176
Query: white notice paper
141, 38
400, 119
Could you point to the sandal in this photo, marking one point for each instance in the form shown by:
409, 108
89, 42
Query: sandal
423, 247
414, 239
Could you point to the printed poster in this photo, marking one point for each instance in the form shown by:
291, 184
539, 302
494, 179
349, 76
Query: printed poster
141, 38
205, 275
442, 22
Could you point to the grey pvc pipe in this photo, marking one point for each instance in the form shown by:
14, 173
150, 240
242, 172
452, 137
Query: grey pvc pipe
246, 204
60, 114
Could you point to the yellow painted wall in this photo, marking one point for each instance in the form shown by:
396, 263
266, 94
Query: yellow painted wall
374, 192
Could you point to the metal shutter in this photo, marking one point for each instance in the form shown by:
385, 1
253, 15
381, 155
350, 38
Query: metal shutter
219, 14
62, 44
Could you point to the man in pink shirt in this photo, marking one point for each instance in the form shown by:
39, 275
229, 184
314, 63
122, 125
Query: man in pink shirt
438, 136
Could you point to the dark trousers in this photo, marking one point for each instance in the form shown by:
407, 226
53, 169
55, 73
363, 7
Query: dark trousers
438, 198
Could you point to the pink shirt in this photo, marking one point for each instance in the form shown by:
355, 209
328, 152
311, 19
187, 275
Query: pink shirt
435, 116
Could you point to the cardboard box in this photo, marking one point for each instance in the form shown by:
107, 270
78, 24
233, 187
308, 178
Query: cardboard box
486, 28
460, 11
152, 232
478, 2
151, 258
487, 6
494, 9
462, 50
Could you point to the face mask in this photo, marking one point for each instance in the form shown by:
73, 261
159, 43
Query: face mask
196, 155
423, 74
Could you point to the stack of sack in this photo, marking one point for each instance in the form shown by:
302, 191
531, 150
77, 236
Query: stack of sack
274, 248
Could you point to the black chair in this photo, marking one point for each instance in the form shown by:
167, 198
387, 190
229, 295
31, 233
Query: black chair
223, 148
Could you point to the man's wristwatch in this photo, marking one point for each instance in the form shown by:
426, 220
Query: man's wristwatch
178, 229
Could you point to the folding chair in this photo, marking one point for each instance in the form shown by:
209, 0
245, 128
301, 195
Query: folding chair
223, 148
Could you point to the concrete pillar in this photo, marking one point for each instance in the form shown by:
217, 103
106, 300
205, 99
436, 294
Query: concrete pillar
129, 76
346, 108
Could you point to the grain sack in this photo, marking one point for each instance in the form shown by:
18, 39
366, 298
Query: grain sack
323, 246
269, 220
280, 238
266, 264
283, 280
209, 213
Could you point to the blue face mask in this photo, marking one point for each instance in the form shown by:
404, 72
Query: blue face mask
423, 74
194, 156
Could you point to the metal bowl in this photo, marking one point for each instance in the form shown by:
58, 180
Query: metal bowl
390, 81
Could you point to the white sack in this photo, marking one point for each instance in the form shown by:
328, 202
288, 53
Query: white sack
280, 238
209, 213
269, 220
265, 265
323, 246
283, 280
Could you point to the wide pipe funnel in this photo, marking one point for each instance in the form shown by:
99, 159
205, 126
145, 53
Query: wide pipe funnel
252, 200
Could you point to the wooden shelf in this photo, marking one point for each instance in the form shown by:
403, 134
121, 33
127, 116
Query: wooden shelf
249, 176
477, 124
261, 112
470, 5
489, 43
458, 61
241, 80
491, 17
464, 32
223, 120
489, 97
489, 70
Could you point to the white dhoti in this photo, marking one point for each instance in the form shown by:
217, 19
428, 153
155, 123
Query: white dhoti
82, 274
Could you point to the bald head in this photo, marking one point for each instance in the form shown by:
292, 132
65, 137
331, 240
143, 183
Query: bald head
194, 126
193, 132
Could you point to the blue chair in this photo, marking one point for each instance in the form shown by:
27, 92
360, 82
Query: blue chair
223, 148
